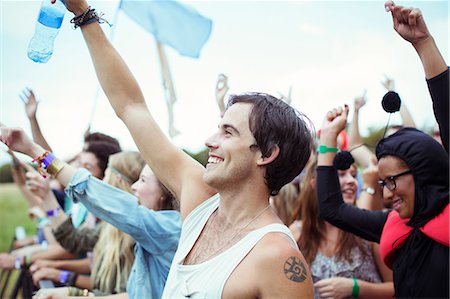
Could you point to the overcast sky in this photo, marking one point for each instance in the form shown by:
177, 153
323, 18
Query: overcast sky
329, 52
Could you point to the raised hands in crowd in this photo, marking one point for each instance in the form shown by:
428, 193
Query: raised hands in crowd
348, 243
221, 91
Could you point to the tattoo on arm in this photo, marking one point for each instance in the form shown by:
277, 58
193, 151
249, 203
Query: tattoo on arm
295, 269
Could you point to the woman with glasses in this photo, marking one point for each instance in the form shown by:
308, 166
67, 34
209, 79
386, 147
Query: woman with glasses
414, 175
341, 264
414, 235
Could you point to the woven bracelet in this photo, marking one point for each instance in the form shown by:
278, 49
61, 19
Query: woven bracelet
87, 17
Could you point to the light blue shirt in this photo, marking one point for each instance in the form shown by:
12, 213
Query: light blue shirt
156, 232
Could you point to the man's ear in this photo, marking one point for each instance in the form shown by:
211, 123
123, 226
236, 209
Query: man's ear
275, 151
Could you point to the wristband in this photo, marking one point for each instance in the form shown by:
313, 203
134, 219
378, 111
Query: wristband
17, 263
355, 289
64, 276
72, 279
42, 222
55, 167
54, 212
325, 149
48, 159
39, 161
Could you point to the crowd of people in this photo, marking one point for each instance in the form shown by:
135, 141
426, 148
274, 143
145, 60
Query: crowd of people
276, 212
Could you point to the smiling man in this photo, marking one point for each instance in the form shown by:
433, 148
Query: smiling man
233, 244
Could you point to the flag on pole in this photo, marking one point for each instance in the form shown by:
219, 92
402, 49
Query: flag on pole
172, 23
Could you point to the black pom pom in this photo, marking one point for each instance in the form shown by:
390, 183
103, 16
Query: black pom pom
391, 102
343, 160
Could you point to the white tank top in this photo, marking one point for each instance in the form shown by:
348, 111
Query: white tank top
207, 279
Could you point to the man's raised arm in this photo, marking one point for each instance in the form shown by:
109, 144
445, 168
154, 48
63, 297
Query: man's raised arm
176, 170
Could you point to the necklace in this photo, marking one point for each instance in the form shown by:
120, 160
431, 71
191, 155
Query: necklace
197, 253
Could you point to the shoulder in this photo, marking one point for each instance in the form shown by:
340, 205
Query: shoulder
283, 269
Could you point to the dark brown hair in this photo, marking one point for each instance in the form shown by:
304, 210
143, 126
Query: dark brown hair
273, 122
102, 150
100, 137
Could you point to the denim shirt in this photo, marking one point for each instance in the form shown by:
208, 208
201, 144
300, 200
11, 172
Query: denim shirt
156, 232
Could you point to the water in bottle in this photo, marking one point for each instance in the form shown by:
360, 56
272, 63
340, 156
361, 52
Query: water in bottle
48, 23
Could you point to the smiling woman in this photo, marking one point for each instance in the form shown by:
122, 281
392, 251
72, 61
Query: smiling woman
398, 185
414, 238
342, 264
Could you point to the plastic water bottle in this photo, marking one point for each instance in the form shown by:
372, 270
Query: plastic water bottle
48, 23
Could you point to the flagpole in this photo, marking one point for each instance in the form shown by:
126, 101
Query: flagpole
168, 86
97, 90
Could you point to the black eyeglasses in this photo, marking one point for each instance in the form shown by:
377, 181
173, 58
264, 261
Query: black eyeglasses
389, 182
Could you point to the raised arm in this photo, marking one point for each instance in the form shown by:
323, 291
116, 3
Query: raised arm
407, 119
31, 104
175, 169
366, 224
362, 155
221, 91
410, 25
17, 171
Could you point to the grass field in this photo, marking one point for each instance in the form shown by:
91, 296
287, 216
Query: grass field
13, 213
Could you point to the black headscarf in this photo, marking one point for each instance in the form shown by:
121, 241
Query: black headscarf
429, 164
421, 265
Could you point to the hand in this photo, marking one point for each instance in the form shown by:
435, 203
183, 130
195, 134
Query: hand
22, 243
7, 261
335, 287
288, 98
17, 140
39, 264
54, 293
29, 99
388, 83
87, 132
360, 102
46, 273
221, 90
75, 6
36, 212
334, 122
17, 169
36, 183
370, 176
408, 22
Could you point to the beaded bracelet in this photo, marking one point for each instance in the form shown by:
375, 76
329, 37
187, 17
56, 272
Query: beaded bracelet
48, 162
40, 161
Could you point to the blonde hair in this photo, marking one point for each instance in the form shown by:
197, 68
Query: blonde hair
124, 169
114, 251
